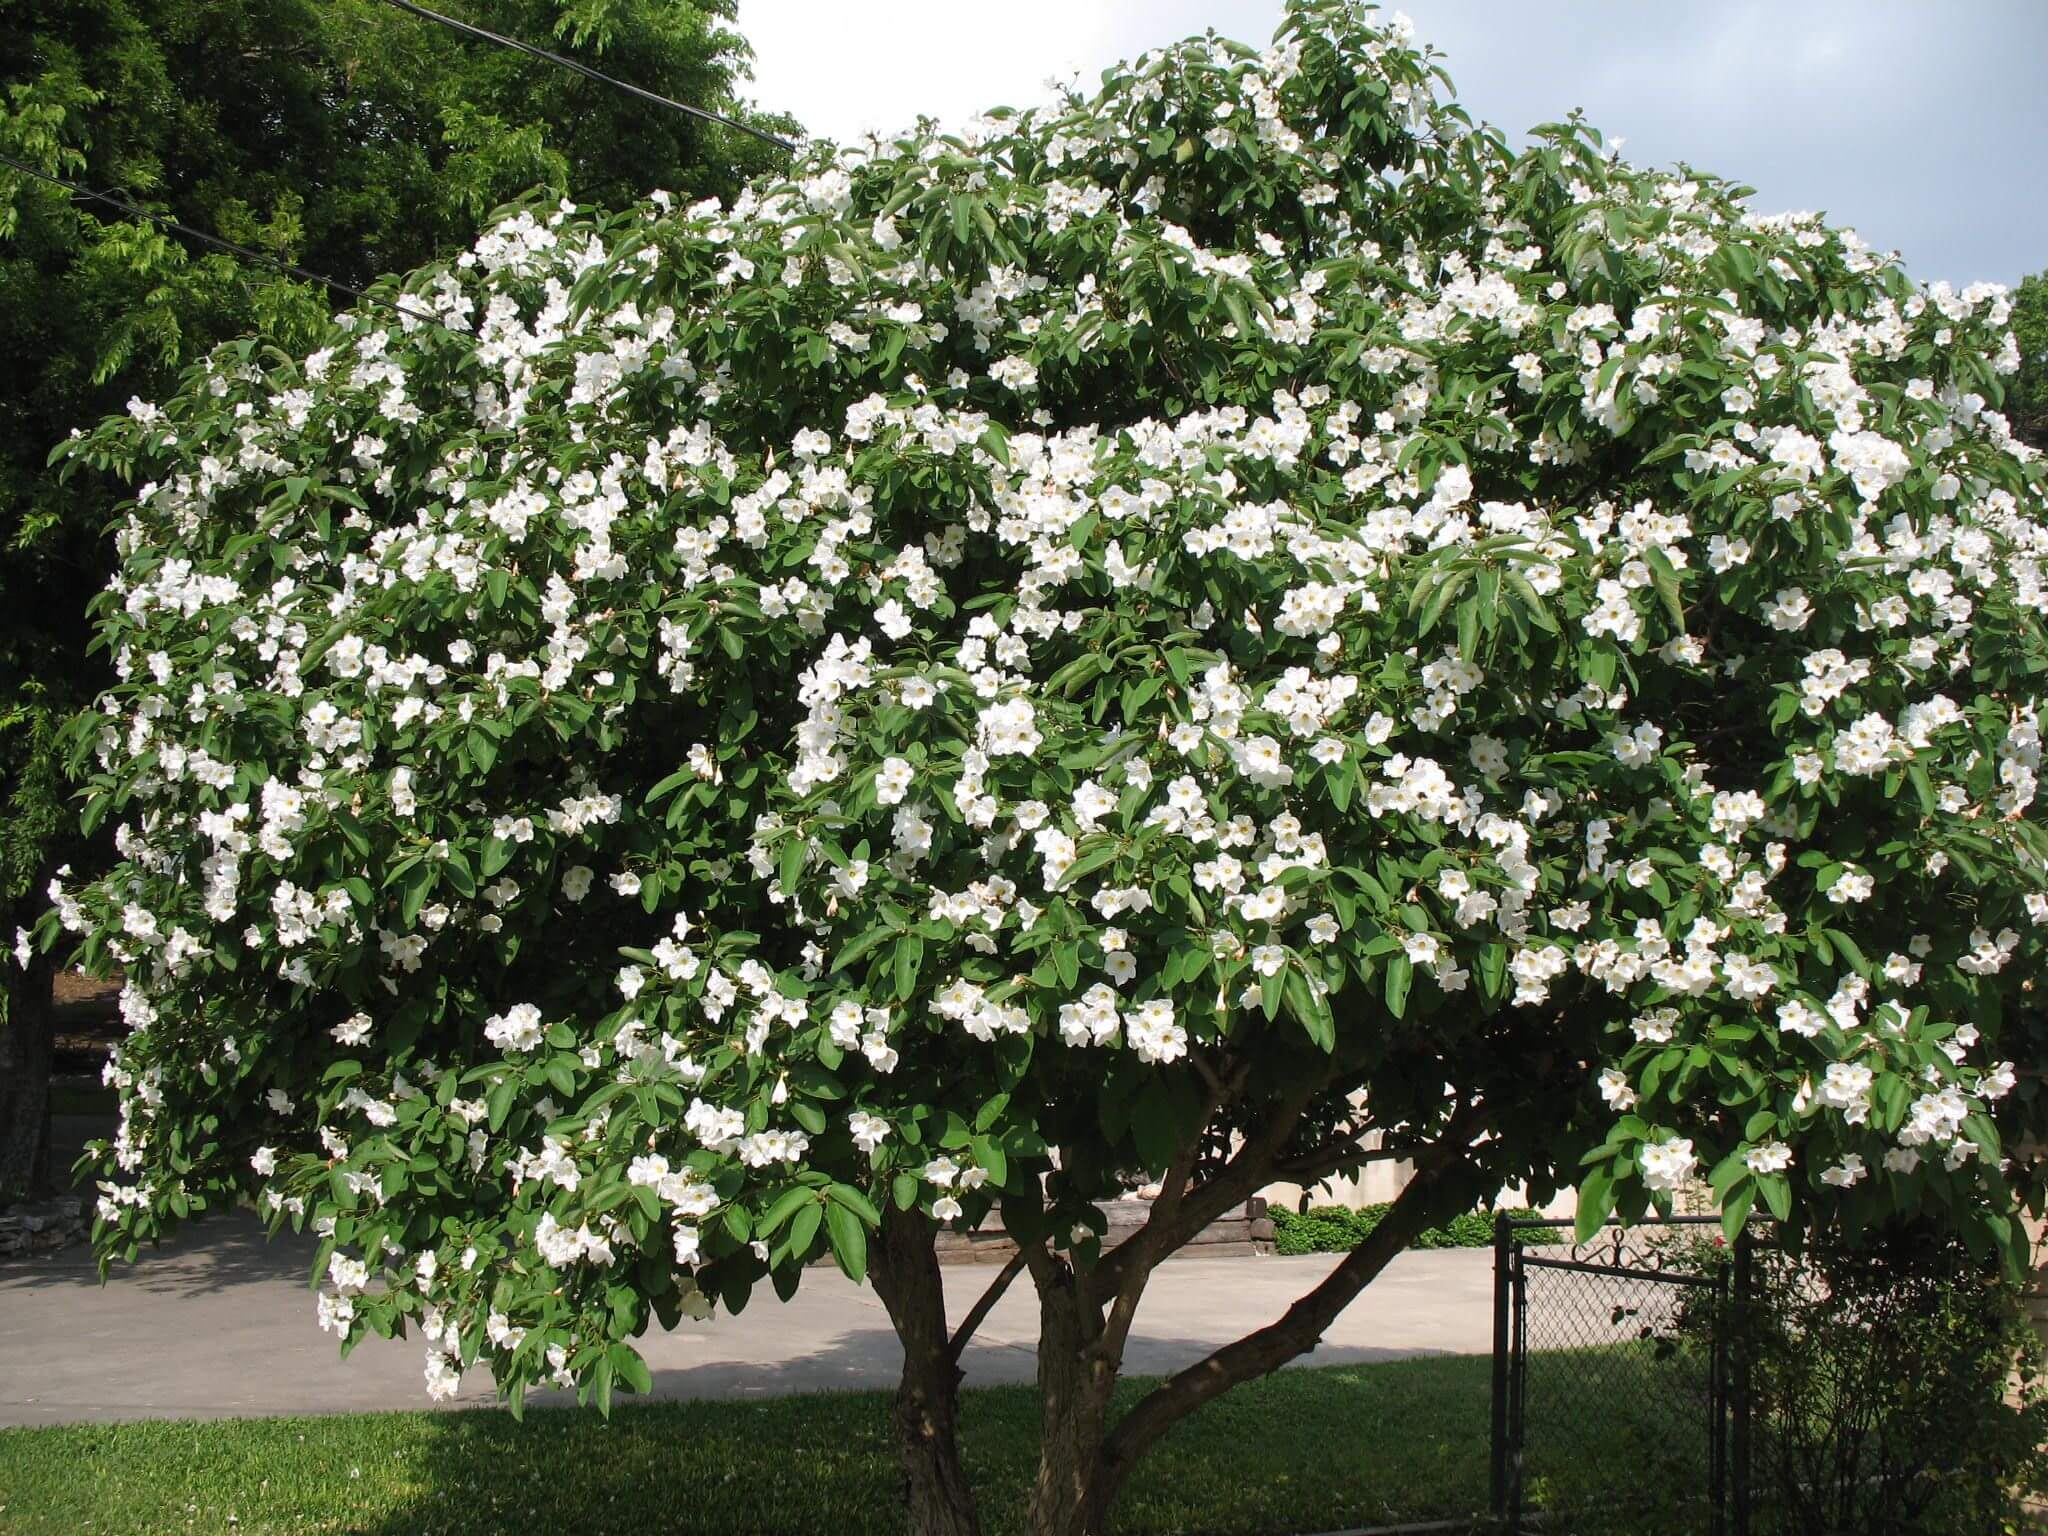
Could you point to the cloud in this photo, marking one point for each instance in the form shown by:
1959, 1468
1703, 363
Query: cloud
1921, 125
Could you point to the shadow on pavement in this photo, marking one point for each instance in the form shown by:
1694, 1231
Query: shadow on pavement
217, 1253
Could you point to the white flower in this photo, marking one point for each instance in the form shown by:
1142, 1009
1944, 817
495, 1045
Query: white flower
1009, 729
687, 1247
1851, 884
1015, 373
518, 1028
892, 781
1846, 1086
1789, 610
1846, 1174
1151, 1030
1667, 1164
1748, 980
353, 1030
1768, 1157
349, 1275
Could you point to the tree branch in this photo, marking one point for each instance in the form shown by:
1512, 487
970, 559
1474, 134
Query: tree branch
1240, 1178
1130, 1289
1302, 1327
1310, 1168
978, 1313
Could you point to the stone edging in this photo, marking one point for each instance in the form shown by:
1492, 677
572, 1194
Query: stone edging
37, 1227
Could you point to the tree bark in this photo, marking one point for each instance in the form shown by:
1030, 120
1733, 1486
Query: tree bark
26, 1024
905, 1271
1076, 1381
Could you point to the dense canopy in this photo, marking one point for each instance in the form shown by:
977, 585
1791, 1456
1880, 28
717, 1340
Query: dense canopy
344, 136
1144, 637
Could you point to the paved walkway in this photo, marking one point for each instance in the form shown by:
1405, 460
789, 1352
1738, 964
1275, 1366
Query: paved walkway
220, 1324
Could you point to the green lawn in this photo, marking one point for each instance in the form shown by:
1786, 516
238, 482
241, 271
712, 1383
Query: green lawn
1319, 1449
1309, 1450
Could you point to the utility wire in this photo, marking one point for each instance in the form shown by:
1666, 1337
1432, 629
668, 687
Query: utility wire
243, 251
584, 69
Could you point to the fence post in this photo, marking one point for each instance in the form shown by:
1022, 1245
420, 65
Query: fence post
1717, 1397
1503, 1250
1739, 1386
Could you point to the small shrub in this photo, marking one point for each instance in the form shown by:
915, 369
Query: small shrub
1895, 1393
1339, 1229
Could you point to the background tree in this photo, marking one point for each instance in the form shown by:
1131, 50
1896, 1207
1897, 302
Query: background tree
341, 135
2027, 395
1134, 642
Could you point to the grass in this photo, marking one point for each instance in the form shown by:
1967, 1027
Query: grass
1320, 1449
1306, 1450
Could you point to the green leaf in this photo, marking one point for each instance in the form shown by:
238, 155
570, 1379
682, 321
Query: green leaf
1736, 1208
784, 1208
846, 1196
1399, 976
1155, 1128
1087, 864
499, 1101
809, 1116
1311, 1010
1596, 1199
413, 894
860, 944
907, 960
1665, 579
849, 1239
629, 1369
803, 1228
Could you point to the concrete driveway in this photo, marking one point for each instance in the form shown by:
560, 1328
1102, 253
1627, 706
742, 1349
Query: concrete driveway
220, 1324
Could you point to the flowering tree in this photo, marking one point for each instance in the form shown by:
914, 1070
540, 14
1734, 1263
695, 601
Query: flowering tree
1148, 639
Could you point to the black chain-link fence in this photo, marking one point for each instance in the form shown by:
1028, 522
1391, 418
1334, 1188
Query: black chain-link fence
1615, 1402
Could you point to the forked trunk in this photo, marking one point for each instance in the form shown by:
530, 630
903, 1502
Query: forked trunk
1076, 1483
926, 1414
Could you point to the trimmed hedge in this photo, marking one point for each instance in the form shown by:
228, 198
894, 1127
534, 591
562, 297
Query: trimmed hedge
1338, 1229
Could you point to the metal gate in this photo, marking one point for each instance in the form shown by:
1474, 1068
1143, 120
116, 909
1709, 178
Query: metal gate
1615, 1406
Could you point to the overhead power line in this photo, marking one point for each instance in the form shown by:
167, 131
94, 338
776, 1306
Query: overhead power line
585, 70
263, 258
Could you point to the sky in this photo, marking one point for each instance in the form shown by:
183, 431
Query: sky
1921, 123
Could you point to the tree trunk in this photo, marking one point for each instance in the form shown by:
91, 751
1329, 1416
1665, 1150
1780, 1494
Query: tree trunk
905, 1272
1076, 1381
25, 1051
